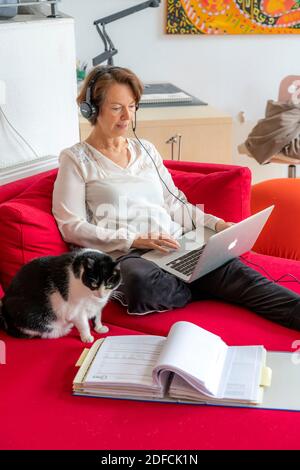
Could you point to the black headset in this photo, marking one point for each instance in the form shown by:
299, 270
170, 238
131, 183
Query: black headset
88, 108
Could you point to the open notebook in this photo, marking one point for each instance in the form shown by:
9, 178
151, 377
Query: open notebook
191, 365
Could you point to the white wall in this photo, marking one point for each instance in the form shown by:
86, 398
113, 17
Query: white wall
233, 73
37, 64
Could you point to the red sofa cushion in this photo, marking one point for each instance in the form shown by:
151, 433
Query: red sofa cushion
30, 230
36, 385
225, 194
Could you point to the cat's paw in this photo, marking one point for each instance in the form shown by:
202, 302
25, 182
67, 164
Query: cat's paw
87, 338
101, 329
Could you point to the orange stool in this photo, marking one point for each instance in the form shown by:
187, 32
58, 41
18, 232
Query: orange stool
281, 234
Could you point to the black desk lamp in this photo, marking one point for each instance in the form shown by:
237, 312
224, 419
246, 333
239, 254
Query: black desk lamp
109, 48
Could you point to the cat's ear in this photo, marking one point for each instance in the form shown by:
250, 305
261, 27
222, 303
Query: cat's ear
90, 262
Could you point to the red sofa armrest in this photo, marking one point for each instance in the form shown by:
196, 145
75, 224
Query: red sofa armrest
223, 190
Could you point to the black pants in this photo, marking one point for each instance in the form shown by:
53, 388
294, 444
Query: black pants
147, 288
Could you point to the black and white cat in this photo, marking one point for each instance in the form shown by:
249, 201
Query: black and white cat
49, 295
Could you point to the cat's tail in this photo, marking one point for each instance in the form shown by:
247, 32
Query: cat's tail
3, 324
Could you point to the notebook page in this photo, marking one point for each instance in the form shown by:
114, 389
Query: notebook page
241, 379
156, 97
125, 360
242, 372
194, 353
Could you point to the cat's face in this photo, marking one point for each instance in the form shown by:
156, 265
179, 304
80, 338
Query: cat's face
100, 272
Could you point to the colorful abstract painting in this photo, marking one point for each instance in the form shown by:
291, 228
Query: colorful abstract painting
233, 17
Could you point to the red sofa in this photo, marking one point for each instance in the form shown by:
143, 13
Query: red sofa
37, 408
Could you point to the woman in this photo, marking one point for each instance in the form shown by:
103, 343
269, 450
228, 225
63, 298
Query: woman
114, 194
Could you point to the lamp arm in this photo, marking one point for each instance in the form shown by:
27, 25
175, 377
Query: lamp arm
128, 11
109, 47
107, 55
102, 37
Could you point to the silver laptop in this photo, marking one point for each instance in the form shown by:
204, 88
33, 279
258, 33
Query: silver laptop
198, 255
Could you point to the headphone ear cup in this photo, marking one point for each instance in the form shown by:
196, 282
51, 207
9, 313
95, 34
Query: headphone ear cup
85, 109
95, 111
88, 110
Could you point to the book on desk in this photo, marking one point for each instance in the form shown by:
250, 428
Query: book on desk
167, 94
190, 365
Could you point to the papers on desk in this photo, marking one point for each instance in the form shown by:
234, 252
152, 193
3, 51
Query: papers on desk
180, 97
167, 94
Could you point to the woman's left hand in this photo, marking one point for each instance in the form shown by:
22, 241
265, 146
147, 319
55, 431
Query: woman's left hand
222, 225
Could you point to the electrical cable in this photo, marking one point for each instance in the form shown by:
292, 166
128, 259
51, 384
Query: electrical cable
268, 274
166, 186
15, 130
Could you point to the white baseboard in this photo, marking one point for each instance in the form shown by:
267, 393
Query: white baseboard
24, 169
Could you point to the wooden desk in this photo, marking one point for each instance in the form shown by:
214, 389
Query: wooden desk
190, 133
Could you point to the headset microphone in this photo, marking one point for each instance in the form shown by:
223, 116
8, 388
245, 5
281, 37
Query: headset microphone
133, 122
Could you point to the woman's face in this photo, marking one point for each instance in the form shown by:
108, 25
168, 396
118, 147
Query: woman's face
117, 110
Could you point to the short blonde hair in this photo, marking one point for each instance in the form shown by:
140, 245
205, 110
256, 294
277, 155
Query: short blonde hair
108, 77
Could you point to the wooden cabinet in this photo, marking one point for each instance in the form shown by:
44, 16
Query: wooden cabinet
190, 133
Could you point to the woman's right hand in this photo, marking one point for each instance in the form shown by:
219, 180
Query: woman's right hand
154, 241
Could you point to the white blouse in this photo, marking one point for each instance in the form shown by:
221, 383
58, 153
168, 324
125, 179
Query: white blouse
98, 204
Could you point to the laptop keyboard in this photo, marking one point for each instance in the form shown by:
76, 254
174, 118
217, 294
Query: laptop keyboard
186, 263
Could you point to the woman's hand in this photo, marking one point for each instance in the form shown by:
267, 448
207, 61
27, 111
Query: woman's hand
155, 241
222, 225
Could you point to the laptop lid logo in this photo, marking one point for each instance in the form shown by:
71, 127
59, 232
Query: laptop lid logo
232, 244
